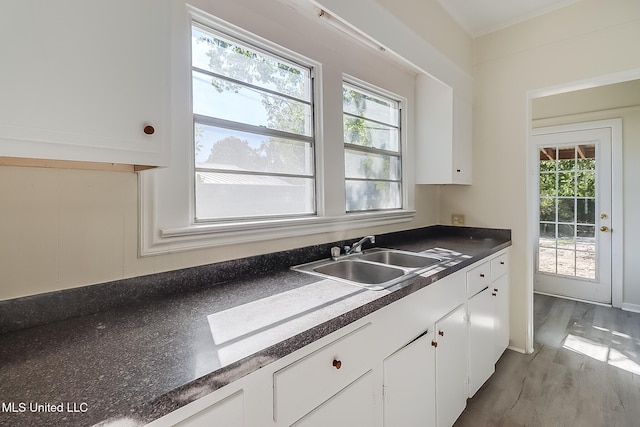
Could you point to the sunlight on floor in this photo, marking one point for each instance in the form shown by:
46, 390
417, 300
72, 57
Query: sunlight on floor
604, 353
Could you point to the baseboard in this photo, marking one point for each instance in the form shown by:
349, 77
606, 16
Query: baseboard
631, 307
603, 304
517, 349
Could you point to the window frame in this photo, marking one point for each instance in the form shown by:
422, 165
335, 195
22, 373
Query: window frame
166, 196
401, 102
219, 122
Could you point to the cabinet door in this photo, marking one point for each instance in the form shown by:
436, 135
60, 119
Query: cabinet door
303, 385
451, 367
352, 406
207, 412
481, 312
500, 291
443, 150
409, 385
81, 80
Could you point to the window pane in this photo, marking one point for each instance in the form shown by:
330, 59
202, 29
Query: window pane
566, 262
373, 177
586, 232
566, 231
359, 164
369, 195
586, 265
247, 64
216, 98
547, 209
218, 148
547, 260
566, 158
548, 184
548, 233
253, 131
369, 134
586, 183
547, 159
566, 184
587, 157
586, 211
229, 195
365, 104
566, 210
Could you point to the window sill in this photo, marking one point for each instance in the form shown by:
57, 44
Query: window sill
201, 236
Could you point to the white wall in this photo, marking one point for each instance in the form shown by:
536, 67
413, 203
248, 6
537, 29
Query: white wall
621, 100
587, 39
430, 21
61, 228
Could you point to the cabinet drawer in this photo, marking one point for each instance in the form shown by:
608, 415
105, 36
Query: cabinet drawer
478, 278
308, 382
499, 266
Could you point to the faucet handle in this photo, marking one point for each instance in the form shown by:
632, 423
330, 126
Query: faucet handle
335, 252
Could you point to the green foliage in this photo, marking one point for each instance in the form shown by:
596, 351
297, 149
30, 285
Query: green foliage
241, 64
561, 182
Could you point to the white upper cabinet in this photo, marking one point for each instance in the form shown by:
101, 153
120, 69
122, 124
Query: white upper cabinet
80, 80
443, 134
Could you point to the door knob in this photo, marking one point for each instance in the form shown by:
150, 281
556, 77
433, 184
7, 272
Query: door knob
604, 228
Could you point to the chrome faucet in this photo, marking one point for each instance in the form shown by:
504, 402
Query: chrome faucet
354, 248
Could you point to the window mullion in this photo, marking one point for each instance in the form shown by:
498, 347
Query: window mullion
245, 127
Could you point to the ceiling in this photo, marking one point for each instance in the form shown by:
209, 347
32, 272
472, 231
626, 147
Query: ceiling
479, 17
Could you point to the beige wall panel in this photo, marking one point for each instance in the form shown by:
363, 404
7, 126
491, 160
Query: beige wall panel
586, 40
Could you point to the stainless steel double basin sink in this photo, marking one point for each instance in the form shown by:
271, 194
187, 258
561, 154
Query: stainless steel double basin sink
375, 269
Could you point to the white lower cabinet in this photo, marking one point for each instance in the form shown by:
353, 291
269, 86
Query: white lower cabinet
481, 339
409, 387
229, 412
352, 406
306, 384
451, 366
384, 370
500, 292
216, 409
488, 317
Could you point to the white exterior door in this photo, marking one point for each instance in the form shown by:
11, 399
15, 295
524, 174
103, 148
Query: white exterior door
573, 256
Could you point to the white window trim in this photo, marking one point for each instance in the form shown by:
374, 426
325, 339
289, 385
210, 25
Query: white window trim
166, 196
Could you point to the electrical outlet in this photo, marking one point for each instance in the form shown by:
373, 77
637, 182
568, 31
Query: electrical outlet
457, 219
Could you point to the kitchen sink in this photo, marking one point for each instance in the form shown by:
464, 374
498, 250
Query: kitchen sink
374, 269
361, 272
400, 258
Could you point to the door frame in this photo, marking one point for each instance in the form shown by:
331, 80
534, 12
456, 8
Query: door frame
615, 127
617, 182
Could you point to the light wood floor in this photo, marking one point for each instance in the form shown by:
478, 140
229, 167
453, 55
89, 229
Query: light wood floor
585, 371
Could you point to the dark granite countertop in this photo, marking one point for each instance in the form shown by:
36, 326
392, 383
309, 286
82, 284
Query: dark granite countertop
140, 360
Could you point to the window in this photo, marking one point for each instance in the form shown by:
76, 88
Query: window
253, 131
372, 150
252, 156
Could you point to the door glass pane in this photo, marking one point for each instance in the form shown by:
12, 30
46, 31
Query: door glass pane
547, 209
547, 260
566, 262
586, 211
567, 211
586, 184
548, 184
566, 183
